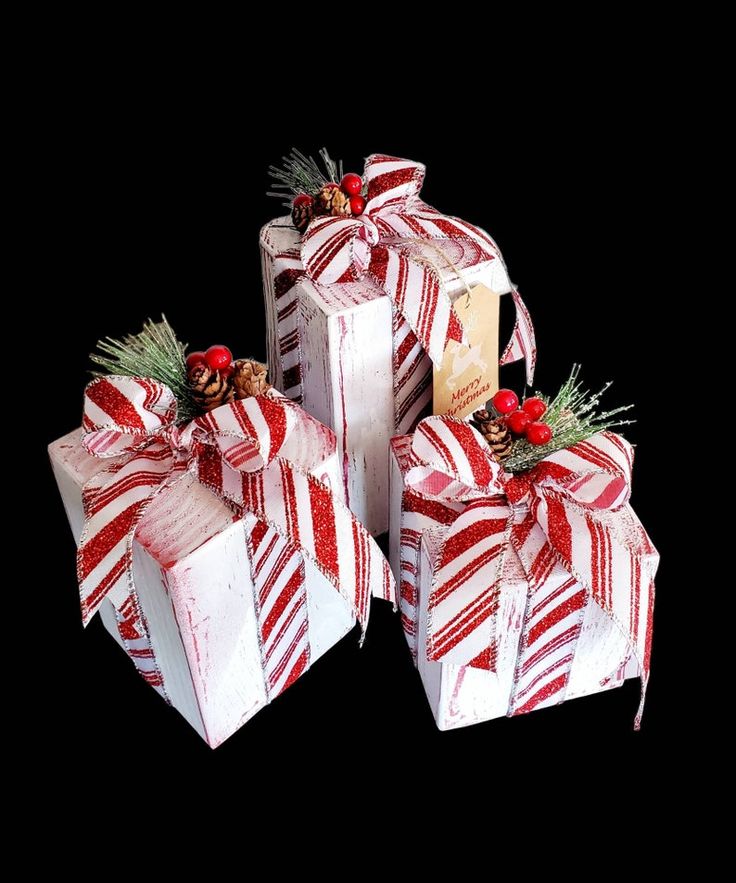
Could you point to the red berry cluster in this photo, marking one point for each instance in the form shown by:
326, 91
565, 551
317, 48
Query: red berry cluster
351, 185
525, 420
217, 358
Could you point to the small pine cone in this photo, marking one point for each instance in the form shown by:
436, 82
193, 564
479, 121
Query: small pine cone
301, 215
209, 388
331, 201
495, 432
249, 378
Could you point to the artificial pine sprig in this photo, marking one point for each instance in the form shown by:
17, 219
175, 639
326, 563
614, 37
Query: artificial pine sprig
302, 174
572, 417
154, 352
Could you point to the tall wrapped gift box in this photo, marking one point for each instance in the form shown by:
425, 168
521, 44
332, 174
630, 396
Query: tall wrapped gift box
518, 592
220, 555
359, 308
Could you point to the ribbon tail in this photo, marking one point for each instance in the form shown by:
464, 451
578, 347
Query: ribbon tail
523, 343
466, 588
114, 508
615, 563
304, 511
416, 291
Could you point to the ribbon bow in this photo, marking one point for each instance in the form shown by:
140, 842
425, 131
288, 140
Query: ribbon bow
385, 244
565, 520
254, 454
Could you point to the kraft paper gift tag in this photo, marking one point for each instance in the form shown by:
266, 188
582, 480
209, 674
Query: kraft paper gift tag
468, 376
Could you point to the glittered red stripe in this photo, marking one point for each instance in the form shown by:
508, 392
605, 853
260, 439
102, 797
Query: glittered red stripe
100, 545
115, 404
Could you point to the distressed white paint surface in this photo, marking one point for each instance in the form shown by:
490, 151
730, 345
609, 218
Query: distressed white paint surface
460, 695
347, 366
193, 579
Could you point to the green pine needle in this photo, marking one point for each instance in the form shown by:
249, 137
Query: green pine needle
572, 417
154, 352
302, 174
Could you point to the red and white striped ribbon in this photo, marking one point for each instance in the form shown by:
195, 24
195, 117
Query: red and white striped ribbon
256, 455
566, 521
379, 245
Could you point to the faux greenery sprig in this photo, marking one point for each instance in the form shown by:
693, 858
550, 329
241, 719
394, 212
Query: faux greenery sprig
154, 352
302, 174
572, 417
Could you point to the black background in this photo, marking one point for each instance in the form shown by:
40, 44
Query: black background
154, 200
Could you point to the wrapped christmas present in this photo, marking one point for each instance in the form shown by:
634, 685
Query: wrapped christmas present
361, 285
525, 578
213, 537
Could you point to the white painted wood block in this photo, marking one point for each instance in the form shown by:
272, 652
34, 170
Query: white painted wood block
461, 695
347, 360
193, 579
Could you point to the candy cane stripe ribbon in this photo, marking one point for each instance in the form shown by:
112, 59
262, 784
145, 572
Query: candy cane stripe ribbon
562, 520
376, 245
255, 454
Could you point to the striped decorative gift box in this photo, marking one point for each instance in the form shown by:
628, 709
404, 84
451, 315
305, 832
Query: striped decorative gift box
218, 553
359, 308
517, 593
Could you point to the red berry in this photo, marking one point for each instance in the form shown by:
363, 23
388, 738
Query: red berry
538, 433
351, 184
227, 370
505, 401
518, 421
196, 358
534, 407
357, 205
303, 199
218, 357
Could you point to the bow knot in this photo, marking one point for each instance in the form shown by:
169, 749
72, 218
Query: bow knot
256, 454
385, 245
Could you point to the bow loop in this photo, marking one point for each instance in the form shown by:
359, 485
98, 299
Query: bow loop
391, 181
121, 414
455, 463
594, 474
338, 249
249, 433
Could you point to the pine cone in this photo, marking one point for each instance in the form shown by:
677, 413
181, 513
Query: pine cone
209, 388
495, 432
301, 215
331, 201
249, 378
